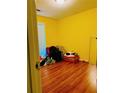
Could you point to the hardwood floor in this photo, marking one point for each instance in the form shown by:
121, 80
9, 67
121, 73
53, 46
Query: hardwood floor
65, 77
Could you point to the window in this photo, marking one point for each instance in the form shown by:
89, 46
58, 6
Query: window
42, 40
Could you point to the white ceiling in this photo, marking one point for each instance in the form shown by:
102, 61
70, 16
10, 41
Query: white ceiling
50, 8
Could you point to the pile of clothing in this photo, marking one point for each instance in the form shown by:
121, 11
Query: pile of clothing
47, 61
53, 55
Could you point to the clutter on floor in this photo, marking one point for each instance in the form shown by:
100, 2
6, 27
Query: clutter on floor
47, 61
58, 54
55, 53
71, 57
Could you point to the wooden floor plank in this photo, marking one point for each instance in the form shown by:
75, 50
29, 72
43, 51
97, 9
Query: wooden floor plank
66, 77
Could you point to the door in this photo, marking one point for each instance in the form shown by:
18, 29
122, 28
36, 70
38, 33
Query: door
93, 50
34, 82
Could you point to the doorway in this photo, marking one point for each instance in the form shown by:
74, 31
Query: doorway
42, 40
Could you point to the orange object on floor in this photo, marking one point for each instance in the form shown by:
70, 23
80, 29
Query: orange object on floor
72, 58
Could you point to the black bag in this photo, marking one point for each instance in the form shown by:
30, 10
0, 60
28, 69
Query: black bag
55, 53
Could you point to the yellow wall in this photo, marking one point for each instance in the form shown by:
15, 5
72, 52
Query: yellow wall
75, 31
50, 28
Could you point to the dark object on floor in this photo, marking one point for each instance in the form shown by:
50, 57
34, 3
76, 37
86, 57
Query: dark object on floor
55, 53
46, 61
43, 61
